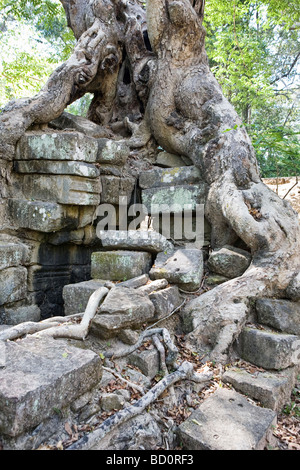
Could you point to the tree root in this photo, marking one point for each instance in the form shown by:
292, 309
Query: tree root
184, 372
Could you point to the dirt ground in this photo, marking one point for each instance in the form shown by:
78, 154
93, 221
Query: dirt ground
284, 185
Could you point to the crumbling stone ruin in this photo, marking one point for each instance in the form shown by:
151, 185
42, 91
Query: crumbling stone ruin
54, 257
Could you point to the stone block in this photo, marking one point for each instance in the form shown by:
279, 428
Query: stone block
39, 215
135, 282
13, 284
112, 152
272, 389
283, 315
72, 146
165, 301
159, 177
144, 240
114, 187
174, 198
229, 261
76, 296
227, 421
122, 308
12, 254
120, 265
20, 314
41, 376
86, 170
169, 160
78, 123
147, 361
268, 349
184, 268
112, 401
293, 289
66, 189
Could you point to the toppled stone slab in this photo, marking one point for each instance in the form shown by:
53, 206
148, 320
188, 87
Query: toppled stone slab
83, 169
42, 375
293, 289
268, 349
76, 296
283, 315
144, 240
184, 268
122, 308
229, 261
62, 189
272, 389
72, 146
13, 282
165, 301
227, 421
41, 216
11, 254
174, 198
120, 265
159, 177
169, 160
147, 361
135, 282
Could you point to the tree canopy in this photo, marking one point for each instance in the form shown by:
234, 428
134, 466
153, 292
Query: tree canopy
253, 49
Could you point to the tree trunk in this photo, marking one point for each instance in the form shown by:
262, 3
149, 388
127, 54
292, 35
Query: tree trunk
158, 70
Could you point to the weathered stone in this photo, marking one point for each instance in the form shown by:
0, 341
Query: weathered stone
135, 376
147, 361
184, 268
112, 152
227, 421
272, 389
129, 336
169, 160
159, 177
85, 170
115, 187
67, 236
39, 215
144, 240
57, 146
76, 296
122, 308
13, 284
112, 401
42, 375
135, 282
293, 289
20, 314
12, 254
215, 279
61, 189
120, 265
268, 349
173, 198
153, 286
165, 301
78, 123
283, 315
229, 261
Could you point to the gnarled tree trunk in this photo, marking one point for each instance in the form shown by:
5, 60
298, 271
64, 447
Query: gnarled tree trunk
151, 76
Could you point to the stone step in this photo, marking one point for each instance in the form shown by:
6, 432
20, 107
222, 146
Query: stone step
120, 265
40, 376
272, 389
227, 421
71, 146
161, 177
184, 268
268, 349
283, 315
